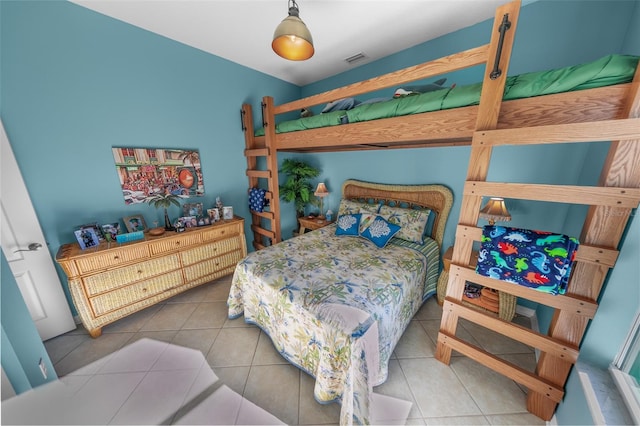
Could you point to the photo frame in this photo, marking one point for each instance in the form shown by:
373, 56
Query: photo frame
135, 223
192, 209
111, 230
96, 228
87, 238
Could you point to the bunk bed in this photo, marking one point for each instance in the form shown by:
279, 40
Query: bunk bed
607, 113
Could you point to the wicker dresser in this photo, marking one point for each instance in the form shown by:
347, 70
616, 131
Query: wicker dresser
114, 280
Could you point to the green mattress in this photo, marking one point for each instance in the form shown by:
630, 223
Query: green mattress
606, 71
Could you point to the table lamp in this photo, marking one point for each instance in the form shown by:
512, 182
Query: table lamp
321, 192
495, 210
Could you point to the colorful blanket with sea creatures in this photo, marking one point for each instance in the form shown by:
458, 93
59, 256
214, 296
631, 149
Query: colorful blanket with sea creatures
535, 259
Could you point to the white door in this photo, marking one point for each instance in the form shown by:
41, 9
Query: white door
32, 266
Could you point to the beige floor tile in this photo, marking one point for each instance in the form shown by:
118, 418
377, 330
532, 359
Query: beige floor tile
161, 335
91, 350
397, 386
493, 342
63, 345
437, 389
527, 419
429, 310
266, 353
458, 420
171, 316
276, 388
415, 342
234, 377
207, 315
492, 392
201, 340
234, 347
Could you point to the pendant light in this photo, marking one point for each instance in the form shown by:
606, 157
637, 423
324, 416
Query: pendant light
292, 39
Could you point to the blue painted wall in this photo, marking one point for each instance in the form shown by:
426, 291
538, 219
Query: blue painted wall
75, 83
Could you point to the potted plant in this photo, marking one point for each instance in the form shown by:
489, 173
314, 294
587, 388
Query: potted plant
296, 187
165, 201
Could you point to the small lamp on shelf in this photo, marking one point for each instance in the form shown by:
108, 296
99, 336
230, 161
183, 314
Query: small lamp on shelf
495, 211
321, 192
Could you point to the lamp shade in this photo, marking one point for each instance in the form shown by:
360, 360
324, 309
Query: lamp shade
495, 210
292, 39
321, 190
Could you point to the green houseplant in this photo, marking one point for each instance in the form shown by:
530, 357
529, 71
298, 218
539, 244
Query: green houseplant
297, 188
165, 201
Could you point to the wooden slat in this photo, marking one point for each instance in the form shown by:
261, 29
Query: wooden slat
265, 215
264, 232
589, 195
585, 253
265, 174
258, 246
514, 331
573, 304
456, 61
520, 375
256, 152
607, 130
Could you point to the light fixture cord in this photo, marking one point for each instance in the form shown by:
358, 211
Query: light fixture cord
293, 8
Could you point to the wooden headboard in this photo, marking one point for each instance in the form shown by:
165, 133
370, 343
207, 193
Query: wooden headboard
437, 198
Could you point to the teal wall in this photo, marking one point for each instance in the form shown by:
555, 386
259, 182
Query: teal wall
21, 344
75, 83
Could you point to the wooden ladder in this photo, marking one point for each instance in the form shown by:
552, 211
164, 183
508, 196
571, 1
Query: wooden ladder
262, 170
611, 204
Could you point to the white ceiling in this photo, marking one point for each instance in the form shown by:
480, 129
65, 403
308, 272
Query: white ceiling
241, 30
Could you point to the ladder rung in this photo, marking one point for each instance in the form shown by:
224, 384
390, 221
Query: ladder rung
514, 331
266, 215
258, 246
520, 375
588, 195
256, 152
570, 304
266, 174
265, 232
585, 253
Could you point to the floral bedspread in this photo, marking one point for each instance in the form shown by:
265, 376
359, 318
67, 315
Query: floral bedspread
319, 296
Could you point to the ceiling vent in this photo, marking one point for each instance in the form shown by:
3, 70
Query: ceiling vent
355, 58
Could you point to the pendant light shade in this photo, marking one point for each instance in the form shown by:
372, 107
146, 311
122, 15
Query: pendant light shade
292, 39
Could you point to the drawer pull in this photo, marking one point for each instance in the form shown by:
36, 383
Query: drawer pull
139, 271
116, 257
177, 243
144, 289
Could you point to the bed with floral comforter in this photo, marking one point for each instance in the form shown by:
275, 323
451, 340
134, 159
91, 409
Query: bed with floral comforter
336, 306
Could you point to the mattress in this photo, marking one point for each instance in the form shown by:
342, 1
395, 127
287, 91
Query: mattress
606, 71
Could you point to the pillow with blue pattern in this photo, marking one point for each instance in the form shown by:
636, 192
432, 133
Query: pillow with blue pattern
380, 231
348, 224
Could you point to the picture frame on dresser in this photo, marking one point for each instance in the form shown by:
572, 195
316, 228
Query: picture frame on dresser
135, 223
87, 238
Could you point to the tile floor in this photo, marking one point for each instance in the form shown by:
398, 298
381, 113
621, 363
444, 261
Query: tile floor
242, 356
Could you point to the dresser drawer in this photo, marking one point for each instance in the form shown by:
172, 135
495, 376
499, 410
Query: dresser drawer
113, 257
127, 295
207, 251
105, 281
218, 232
174, 243
211, 266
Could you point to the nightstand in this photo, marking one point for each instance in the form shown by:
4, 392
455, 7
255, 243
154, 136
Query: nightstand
311, 224
506, 302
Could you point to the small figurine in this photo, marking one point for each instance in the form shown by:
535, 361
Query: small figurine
329, 215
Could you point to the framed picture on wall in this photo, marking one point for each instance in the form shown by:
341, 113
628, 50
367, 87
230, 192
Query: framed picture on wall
135, 223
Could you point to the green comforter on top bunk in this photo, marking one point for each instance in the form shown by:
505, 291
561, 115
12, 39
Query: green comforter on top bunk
606, 71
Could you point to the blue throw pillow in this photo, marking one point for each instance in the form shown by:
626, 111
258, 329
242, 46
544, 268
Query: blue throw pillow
348, 224
380, 231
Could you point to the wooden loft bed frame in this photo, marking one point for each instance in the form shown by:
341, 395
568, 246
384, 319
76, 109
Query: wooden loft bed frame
603, 114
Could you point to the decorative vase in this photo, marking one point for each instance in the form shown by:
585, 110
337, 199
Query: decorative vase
167, 223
